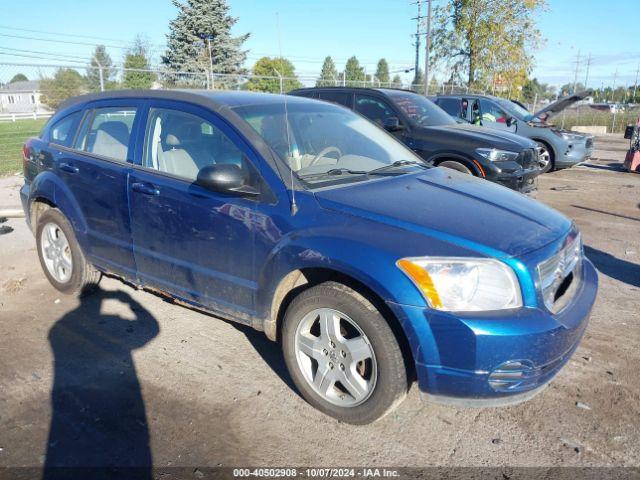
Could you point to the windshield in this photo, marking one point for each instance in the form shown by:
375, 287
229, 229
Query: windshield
325, 143
515, 110
422, 111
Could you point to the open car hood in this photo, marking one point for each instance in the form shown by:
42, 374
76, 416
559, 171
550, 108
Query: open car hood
560, 104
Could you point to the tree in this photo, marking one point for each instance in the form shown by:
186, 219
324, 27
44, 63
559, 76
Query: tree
533, 91
137, 58
19, 77
485, 38
397, 81
353, 71
328, 74
65, 83
382, 71
273, 67
567, 89
100, 59
187, 48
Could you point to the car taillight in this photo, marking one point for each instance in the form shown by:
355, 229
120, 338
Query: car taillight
25, 152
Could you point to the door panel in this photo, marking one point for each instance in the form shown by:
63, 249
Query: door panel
189, 241
99, 185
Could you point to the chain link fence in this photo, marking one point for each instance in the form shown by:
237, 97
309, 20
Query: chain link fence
25, 105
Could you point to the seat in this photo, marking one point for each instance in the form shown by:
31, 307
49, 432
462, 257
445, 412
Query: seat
182, 152
112, 140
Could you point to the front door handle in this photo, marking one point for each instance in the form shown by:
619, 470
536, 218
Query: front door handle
146, 188
67, 167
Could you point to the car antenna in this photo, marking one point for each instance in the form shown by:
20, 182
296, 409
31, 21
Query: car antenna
294, 205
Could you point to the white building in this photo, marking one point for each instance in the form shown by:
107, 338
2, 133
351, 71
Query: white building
21, 97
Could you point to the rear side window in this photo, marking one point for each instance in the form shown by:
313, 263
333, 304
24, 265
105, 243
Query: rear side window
62, 132
451, 105
106, 132
341, 98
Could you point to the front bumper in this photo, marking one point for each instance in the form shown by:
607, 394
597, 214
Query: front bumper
574, 152
496, 359
523, 181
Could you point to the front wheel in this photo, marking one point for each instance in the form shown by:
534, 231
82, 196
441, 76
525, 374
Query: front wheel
453, 165
545, 158
342, 354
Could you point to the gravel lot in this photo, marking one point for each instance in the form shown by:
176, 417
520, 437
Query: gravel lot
204, 392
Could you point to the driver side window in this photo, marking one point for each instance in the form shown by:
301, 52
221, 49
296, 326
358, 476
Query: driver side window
491, 112
181, 144
374, 109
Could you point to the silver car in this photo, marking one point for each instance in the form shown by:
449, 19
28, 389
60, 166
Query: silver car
559, 148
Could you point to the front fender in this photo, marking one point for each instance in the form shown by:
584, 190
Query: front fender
48, 186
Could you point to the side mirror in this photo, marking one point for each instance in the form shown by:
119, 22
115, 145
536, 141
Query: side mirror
628, 132
225, 178
511, 121
392, 124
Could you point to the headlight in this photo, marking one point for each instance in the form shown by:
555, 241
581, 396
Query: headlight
495, 155
464, 284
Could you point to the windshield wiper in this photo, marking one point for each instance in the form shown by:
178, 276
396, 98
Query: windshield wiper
398, 163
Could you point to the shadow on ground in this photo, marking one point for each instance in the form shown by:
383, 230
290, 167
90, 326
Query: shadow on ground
99, 419
614, 267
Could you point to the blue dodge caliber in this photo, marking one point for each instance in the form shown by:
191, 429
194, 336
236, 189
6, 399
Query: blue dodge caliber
308, 222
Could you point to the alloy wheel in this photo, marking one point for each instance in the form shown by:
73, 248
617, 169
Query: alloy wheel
56, 253
336, 357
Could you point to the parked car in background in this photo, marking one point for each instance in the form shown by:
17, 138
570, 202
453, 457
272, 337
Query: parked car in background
304, 220
559, 148
417, 122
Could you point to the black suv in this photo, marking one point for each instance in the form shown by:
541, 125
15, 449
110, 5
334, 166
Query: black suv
501, 157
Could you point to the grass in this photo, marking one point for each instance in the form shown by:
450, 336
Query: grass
589, 117
12, 138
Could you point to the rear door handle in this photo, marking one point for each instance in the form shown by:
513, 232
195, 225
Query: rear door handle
67, 167
146, 188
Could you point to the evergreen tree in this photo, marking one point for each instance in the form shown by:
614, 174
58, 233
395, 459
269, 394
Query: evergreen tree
271, 67
137, 58
382, 72
329, 74
100, 58
19, 77
353, 71
187, 48
397, 81
65, 83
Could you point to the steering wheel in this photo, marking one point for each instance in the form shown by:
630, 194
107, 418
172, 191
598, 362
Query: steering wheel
324, 152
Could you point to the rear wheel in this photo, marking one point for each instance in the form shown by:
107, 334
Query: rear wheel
546, 159
452, 164
60, 255
342, 354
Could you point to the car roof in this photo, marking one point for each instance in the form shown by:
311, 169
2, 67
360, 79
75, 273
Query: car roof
466, 95
355, 89
208, 98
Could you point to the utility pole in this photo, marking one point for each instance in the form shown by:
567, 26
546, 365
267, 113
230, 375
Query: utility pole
209, 37
418, 34
586, 77
575, 78
427, 50
635, 84
100, 73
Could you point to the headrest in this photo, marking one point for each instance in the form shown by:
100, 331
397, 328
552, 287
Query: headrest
115, 129
182, 132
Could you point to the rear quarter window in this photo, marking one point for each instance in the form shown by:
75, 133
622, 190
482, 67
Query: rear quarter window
63, 131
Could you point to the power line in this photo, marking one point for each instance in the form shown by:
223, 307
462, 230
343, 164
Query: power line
6, 27
69, 42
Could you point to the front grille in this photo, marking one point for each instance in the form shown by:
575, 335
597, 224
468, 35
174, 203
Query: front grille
559, 276
528, 158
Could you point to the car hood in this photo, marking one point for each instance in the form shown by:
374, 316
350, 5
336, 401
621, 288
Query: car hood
479, 136
453, 207
560, 104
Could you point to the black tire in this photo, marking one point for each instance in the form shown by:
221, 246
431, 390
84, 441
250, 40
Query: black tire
551, 165
84, 277
391, 383
453, 165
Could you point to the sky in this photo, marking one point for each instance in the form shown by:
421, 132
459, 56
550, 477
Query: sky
65, 31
